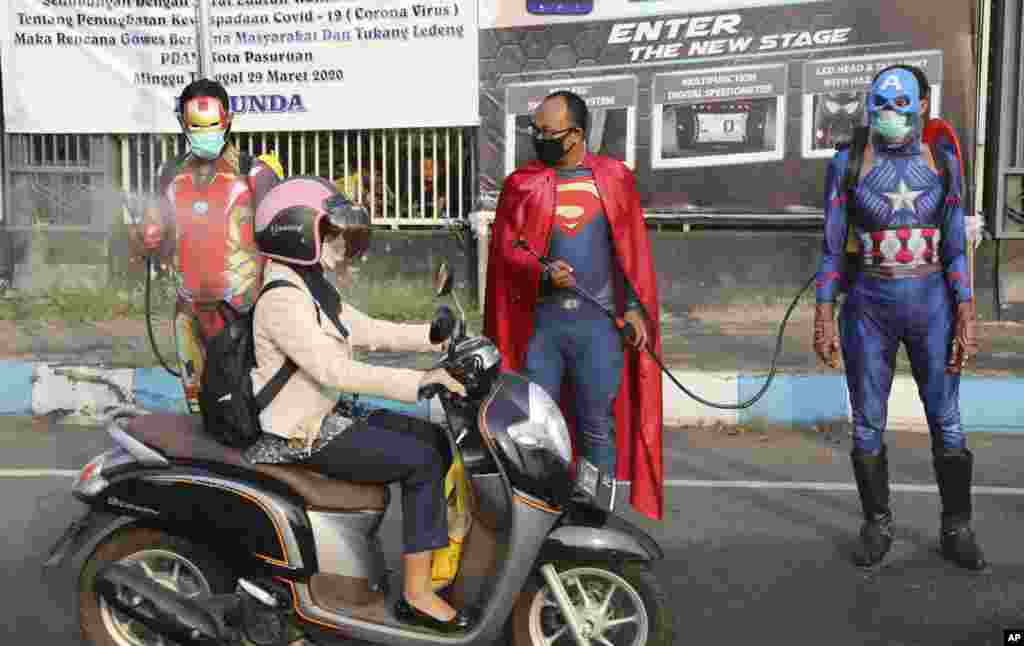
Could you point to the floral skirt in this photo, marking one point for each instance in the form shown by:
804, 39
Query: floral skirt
274, 449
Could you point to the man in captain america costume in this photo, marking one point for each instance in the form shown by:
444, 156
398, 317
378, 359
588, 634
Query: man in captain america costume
912, 287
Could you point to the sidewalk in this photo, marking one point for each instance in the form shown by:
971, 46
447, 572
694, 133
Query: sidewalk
721, 354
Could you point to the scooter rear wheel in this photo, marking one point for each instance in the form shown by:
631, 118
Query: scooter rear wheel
173, 562
623, 606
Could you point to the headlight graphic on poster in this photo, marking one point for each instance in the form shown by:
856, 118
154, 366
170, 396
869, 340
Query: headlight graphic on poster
611, 101
835, 95
713, 117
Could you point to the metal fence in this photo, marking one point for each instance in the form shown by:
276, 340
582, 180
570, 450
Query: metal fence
59, 181
407, 177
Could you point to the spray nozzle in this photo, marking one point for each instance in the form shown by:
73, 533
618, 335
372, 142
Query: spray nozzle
152, 236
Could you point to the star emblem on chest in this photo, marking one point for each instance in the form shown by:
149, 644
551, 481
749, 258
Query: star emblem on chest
903, 198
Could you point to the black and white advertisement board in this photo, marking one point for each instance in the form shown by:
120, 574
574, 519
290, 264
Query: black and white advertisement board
739, 104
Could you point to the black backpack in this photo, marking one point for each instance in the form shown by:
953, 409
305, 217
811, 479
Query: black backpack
855, 163
230, 409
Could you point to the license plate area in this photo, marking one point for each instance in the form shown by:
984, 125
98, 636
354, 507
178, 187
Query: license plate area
596, 485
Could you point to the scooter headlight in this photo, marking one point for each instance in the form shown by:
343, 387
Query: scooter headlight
545, 429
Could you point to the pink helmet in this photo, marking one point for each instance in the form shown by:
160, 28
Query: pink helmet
288, 220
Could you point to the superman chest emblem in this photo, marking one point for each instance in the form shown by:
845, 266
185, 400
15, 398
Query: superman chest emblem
578, 205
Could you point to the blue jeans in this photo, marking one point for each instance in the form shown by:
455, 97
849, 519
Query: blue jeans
590, 350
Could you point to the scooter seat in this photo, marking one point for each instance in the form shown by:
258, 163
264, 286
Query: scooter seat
182, 437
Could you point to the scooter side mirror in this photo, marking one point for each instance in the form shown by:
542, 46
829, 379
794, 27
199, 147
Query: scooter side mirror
443, 279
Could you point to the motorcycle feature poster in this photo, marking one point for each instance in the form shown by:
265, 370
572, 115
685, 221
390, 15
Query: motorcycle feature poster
835, 91
739, 104
612, 102
694, 124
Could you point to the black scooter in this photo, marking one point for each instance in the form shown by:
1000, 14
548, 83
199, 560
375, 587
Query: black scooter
184, 541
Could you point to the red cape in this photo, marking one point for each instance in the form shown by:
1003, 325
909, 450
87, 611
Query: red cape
526, 209
940, 132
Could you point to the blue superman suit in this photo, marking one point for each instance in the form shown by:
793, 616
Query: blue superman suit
913, 272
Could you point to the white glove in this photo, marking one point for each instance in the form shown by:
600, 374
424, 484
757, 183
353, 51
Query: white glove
975, 229
443, 378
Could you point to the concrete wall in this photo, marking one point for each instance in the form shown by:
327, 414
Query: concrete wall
694, 268
39, 260
705, 267
414, 256
709, 266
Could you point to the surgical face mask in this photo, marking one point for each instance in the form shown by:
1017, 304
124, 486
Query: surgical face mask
207, 145
550, 151
333, 253
891, 125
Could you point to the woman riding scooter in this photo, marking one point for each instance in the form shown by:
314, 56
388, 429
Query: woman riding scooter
305, 227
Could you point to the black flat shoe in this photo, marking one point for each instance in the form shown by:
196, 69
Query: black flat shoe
407, 613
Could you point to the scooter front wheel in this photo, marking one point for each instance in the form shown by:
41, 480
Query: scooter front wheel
617, 606
173, 562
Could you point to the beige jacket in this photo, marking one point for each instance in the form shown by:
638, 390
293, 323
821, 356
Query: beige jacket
285, 323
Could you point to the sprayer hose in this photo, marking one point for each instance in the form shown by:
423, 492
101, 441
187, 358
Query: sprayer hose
771, 373
149, 319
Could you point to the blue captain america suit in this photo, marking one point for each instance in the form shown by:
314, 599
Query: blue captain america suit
911, 287
909, 226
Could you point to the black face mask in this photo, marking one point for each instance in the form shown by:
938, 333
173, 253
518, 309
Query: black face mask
550, 151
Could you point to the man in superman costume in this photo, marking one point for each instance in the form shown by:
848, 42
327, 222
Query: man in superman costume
583, 211
207, 198
911, 286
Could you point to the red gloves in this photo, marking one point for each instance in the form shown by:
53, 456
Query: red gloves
965, 342
826, 338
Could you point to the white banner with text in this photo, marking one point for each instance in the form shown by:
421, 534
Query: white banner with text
116, 66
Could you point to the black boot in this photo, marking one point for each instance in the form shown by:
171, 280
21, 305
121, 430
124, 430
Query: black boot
953, 468
872, 474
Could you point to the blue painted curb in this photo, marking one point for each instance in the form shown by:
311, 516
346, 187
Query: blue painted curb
794, 399
155, 389
989, 404
16, 381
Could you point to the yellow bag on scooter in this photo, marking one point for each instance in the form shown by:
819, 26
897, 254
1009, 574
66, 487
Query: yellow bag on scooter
446, 559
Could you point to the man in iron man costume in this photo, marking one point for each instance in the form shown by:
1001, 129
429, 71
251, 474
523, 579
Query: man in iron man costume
912, 287
205, 219
582, 210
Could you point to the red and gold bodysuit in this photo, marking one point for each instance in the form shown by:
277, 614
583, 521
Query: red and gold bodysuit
209, 208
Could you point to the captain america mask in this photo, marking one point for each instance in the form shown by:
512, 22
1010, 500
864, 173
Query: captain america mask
894, 104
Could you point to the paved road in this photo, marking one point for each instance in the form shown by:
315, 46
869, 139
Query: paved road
744, 564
